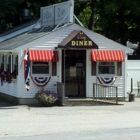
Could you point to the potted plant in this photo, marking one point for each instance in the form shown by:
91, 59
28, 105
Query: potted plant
46, 98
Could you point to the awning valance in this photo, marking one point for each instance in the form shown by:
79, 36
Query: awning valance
43, 56
107, 55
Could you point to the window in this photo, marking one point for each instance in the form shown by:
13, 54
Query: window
40, 68
15, 64
106, 68
9, 63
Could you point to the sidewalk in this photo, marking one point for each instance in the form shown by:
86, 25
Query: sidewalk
114, 122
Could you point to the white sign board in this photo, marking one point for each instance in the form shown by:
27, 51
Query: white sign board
47, 16
61, 11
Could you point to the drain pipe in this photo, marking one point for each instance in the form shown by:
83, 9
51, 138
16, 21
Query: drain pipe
64, 76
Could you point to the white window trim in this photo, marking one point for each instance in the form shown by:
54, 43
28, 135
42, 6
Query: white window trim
41, 75
106, 75
0, 59
7, 58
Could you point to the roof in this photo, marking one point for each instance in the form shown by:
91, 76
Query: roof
21, 39
51, 39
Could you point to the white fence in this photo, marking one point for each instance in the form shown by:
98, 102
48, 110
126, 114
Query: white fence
133, 71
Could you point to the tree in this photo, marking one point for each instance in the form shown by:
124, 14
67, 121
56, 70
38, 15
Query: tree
9, 13
115, 19
119, 19
87, 10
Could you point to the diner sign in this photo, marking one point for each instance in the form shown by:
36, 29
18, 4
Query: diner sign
55, 14
81, 40
77, 39
47, 16
62, 11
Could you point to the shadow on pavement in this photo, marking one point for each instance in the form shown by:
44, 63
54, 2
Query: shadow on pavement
5, 105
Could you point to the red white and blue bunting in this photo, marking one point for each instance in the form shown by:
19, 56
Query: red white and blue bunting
41, 81
107, 80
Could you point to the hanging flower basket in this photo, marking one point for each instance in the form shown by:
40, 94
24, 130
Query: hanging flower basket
6, 76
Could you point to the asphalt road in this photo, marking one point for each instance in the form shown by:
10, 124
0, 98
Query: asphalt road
22, 122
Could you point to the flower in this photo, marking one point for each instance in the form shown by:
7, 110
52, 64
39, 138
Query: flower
46, 97
7, 76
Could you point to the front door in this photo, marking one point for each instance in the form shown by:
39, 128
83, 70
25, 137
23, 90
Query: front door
74, 72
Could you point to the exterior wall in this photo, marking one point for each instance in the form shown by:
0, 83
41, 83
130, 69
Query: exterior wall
120, 81
133, 71
11, 88
17, 88
51, 86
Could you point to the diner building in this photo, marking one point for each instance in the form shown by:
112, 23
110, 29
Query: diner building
57, 49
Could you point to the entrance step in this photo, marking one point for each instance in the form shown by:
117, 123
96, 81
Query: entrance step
85, 102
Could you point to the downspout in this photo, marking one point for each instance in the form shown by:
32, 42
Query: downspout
96, 72
64, 75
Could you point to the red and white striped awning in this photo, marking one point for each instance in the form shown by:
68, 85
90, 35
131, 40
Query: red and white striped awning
107, 55
43, 56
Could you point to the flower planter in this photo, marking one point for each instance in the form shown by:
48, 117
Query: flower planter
42, 104
46, 98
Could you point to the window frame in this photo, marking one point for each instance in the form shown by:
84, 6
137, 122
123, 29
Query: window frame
107, 74
50, 66
15, 63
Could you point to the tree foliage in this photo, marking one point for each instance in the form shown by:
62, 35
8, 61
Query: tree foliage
119, 19
115, 19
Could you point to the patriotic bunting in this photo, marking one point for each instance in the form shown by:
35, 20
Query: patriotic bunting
107, 81
41, 81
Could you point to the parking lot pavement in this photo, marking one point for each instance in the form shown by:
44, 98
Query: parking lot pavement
114, 122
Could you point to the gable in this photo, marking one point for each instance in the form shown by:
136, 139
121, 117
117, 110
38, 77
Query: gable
78, 39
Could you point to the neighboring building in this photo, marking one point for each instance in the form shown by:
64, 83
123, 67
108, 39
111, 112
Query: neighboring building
133, 68
70, 54
131, 45
133, 71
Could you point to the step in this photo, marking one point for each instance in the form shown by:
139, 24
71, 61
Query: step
85, 102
